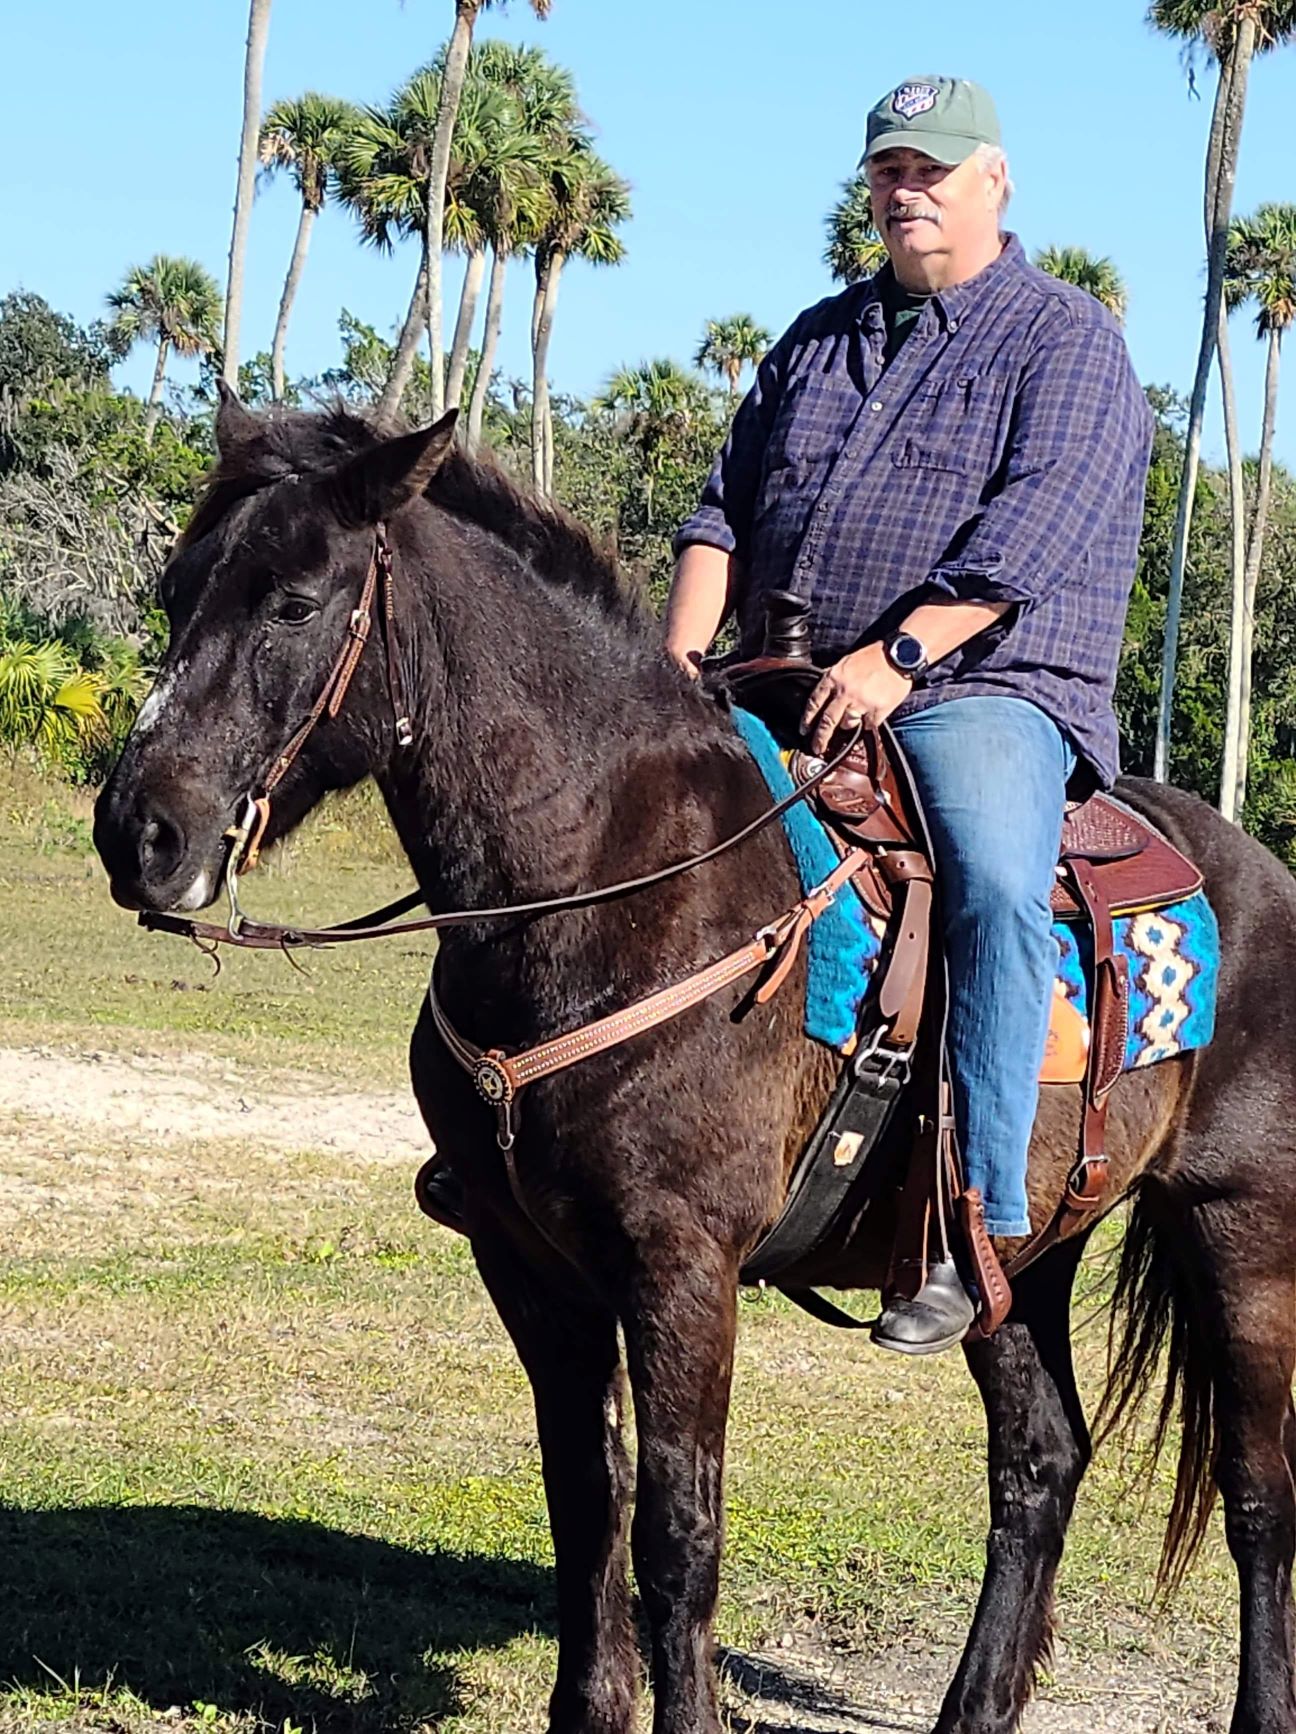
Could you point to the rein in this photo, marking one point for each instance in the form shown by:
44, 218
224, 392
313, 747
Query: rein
500, 1078
246, 836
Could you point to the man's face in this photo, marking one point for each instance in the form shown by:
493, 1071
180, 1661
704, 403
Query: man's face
925, 209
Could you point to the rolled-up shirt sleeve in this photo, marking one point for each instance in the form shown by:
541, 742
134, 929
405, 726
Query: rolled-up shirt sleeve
1081, 436
724, 515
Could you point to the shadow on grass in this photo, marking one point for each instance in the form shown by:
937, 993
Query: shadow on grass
771, 1683
180, 1604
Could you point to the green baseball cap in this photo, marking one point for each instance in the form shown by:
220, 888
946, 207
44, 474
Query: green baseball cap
946, 118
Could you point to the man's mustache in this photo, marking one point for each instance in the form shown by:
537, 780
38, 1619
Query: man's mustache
912, 213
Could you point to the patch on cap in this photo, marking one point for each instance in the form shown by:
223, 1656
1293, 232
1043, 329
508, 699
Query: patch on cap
914, 99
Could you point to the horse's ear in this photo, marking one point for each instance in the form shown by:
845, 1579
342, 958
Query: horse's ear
236, 425
379, 482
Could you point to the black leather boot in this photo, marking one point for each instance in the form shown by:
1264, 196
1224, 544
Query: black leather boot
439, 1195
939, 1315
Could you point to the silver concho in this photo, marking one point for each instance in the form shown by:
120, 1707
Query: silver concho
492, 1081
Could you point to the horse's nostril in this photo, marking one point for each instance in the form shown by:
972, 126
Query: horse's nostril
160, 842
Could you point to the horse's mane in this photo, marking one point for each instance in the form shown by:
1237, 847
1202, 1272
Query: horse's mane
554, 545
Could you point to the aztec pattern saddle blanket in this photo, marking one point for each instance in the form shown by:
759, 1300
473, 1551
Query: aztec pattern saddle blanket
1172, 953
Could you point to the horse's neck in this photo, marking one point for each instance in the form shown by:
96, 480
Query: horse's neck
534, 730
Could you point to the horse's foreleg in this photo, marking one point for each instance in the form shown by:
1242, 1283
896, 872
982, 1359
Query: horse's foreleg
1039, 1449
679, 1322
571, 1356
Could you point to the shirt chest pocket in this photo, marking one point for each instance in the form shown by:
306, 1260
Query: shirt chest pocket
953, 424
811, 422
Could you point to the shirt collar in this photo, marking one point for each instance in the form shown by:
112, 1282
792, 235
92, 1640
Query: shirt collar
950, 304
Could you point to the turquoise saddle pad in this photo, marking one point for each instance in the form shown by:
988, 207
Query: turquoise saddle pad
1173, 954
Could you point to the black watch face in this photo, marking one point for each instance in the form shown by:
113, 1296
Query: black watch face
907, 653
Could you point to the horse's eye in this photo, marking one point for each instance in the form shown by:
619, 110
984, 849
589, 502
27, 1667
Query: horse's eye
296, 610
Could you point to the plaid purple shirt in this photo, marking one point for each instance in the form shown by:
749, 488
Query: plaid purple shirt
1001, 457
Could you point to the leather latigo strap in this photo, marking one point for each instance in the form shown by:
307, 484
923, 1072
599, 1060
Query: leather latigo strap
1109, 1029
501, 1077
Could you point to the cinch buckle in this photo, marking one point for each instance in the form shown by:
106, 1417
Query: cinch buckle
894, 1062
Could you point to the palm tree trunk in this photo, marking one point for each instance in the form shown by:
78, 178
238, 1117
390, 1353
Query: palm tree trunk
258, 32
1255, 551
295, 267
1221, 172
494, 318
476, 270
541, 429
406, 348
452, 83
1237, 568
154, 410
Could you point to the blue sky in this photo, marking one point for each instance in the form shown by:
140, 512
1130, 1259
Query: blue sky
735, 120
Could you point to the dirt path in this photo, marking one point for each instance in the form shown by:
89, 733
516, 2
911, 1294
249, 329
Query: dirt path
201, 1098
806, 1690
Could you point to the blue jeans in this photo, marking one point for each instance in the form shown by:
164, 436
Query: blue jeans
992, 775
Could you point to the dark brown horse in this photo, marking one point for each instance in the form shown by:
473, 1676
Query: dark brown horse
554, 748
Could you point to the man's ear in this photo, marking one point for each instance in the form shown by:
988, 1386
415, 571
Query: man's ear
235, 423
379, 482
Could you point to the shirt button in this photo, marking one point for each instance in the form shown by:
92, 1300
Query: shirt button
953, 326
877, 406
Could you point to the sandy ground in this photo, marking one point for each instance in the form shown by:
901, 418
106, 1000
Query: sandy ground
803, 1689
800, 1687
200, 1098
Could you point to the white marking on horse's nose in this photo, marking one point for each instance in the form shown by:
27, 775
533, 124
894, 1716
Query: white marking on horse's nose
157, 701
199, 893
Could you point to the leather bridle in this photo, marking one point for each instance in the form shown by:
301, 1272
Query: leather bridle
500, 1078
245, 836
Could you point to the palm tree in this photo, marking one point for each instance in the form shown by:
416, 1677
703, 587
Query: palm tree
382, 176
525, 108
654, 403
728, 345
451, 90
588, 203
1260, 269
47, 700
513, 189
855, 249
258, 32
1231, 32
173, 301
1097, 277
303, 138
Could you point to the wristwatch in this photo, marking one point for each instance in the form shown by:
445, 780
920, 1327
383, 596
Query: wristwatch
906, 654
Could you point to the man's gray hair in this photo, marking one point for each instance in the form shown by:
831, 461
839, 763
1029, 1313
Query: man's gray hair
990, 156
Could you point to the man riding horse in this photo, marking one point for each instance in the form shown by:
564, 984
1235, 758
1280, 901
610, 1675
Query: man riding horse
947, 462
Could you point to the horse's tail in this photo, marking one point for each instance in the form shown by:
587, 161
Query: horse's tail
1153, 1311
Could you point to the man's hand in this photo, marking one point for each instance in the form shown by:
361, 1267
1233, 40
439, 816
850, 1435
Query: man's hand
862, 687
702, 592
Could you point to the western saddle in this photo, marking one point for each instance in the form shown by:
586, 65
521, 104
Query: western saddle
1111, 862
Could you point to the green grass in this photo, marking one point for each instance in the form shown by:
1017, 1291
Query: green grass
79, 970
267, 1458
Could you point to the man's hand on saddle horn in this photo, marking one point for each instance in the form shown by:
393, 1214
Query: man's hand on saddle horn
862, 687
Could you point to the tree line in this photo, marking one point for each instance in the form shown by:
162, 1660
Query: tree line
485, 153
